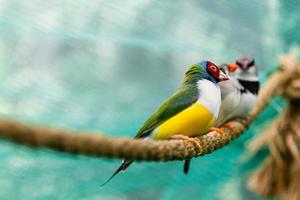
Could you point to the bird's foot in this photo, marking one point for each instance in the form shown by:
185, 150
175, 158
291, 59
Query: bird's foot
242, 121
220, 131
192, 140
229, 126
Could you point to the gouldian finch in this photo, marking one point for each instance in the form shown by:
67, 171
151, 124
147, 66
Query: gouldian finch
240, 92
191, 111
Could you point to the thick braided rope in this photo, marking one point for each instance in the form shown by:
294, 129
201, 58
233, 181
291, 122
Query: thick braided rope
98, 145
102, 146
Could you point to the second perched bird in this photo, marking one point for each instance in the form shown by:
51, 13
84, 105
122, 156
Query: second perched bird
240, 92
191, 111
247, 76
230, 94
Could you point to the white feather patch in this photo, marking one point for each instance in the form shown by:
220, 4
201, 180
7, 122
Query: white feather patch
209, 96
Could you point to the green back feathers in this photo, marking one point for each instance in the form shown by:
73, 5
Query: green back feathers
192, 74
184, 97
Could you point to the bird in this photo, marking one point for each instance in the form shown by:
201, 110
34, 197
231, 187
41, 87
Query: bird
191, 111
230, 94
247, 76
240, 92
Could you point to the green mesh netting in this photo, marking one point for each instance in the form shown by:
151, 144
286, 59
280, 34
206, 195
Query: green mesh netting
105, 66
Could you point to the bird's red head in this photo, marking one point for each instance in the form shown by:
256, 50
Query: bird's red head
215, 72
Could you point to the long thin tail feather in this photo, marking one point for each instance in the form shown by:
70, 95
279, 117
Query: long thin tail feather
186, 166
125, 164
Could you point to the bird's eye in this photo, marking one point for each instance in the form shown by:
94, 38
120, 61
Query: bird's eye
213, 68
251, 63
223, 70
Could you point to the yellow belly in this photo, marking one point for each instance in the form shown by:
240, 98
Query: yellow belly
193, 121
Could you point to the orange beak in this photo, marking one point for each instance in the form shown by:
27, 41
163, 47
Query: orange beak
232, 67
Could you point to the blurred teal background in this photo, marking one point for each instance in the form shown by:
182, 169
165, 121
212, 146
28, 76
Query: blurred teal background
104, 66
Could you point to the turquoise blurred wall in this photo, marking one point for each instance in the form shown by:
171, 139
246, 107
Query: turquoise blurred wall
104, 66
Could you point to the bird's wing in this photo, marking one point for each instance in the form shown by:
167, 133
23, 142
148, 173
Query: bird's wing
228, 86
184, 97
